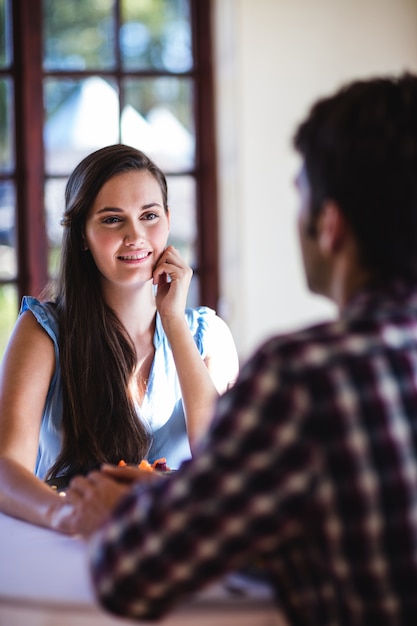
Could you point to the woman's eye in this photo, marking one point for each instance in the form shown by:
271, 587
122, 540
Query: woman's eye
150, 216
111, 220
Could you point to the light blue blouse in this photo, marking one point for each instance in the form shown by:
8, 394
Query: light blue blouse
161, 411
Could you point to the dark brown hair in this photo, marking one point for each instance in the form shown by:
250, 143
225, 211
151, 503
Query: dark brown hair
360, 149
100, 422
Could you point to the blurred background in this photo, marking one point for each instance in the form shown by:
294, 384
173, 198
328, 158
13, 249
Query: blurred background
212, 90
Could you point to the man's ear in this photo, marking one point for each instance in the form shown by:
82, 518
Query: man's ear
331, 228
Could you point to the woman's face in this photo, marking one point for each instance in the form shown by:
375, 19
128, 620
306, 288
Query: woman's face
127, 227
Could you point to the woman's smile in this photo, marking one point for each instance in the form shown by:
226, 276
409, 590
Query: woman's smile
140, 256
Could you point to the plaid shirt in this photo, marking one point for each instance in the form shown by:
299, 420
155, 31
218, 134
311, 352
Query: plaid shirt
311, 466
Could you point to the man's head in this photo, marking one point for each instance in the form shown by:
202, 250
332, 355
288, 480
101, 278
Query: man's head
359, 148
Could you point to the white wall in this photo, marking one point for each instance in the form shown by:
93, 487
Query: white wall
273, 59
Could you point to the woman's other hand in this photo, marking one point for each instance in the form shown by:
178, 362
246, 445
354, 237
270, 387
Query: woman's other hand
91, 499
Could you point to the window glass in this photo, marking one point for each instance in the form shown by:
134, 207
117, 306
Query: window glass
5, 34
78, 35
156, 35
54, 207
158, 119
80, 117
8, 257
182, 203
6, 126
8, 260
183, 226
8, 313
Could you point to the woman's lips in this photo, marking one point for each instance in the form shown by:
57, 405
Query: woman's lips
134, 257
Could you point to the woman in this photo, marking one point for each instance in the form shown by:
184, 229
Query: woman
114, 367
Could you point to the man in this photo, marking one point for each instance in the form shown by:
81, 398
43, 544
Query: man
311, 464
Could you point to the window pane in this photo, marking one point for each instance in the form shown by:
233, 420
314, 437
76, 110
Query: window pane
8, 259
8, 314
78, 35
156, 35
183, 233
5, 33
54, 206
158, 119
81, 116
182, 204
6, 126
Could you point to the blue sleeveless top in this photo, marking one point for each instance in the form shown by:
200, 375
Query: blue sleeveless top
161, 411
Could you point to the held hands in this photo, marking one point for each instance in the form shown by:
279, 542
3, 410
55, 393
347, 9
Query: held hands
173, 277
90, 500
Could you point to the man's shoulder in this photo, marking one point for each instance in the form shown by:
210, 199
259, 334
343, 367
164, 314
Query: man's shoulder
312, 346
322, 332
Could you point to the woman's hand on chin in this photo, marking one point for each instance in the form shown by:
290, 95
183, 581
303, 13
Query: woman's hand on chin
173, 276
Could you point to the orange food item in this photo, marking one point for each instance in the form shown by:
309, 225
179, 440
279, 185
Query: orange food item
160, 465
145, 466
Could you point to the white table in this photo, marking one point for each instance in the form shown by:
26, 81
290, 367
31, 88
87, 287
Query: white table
44, 581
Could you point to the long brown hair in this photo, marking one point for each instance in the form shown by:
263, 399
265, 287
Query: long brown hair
99, 421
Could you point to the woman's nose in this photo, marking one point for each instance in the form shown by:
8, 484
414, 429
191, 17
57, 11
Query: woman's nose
133, 233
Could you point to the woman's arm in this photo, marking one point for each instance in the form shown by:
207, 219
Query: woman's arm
198, 389
200, 381
26, 372
220, 363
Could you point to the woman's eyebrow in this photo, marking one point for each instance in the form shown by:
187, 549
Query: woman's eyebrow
112, 209
151, 205
115, 209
